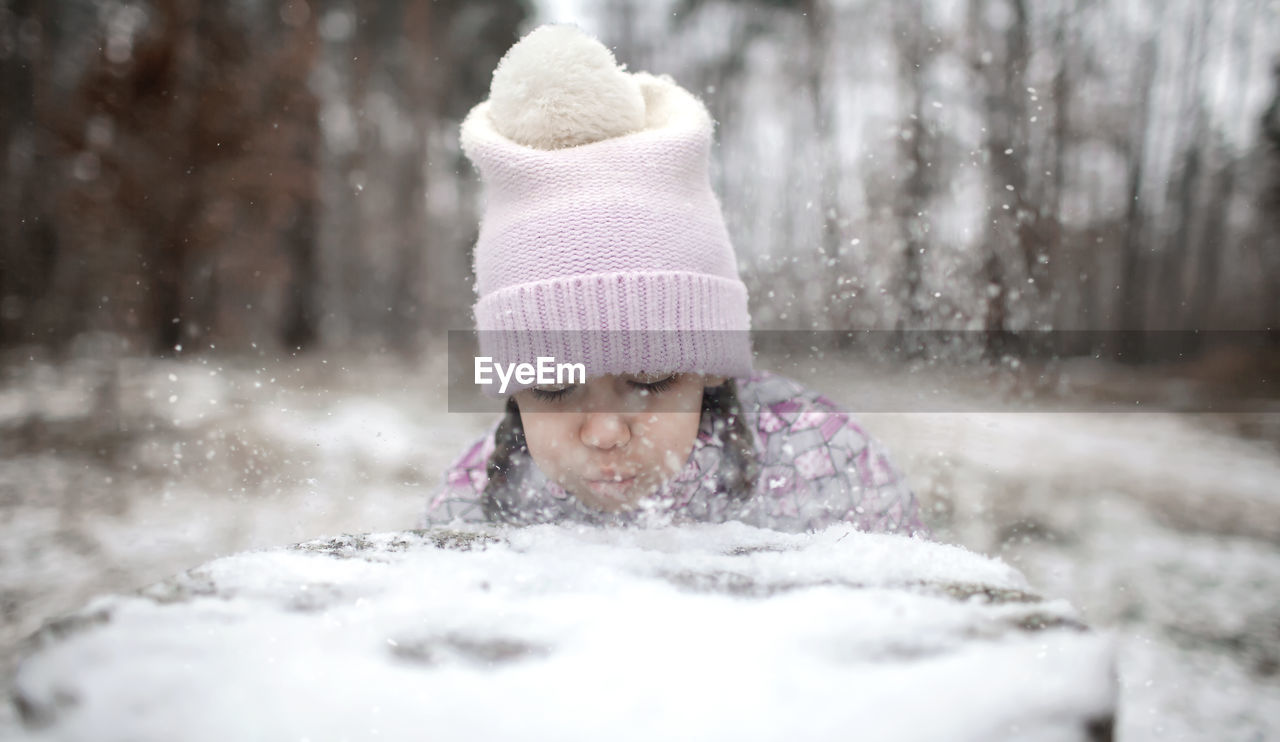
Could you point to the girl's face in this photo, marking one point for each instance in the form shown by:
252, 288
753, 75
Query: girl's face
617, 438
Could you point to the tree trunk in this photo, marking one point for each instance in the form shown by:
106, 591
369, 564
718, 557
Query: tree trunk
1132, 273
1172, 281
300, 329
819, 17
913, 214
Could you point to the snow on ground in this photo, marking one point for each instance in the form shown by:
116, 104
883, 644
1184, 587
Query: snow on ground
558, 632
1161, 527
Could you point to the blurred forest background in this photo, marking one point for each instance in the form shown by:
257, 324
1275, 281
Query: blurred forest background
286, 175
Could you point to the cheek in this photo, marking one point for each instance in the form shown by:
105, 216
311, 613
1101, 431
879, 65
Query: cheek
665, 440
550, 439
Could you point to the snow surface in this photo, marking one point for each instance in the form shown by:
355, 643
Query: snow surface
700, 632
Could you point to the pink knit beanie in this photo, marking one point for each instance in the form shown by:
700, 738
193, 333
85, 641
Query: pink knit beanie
602, 242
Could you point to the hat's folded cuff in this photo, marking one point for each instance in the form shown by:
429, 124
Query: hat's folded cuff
618, 323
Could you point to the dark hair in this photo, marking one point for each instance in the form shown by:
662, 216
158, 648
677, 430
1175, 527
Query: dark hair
736, 479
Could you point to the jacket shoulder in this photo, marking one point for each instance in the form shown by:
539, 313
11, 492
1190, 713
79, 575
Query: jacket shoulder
819, 465
458, 497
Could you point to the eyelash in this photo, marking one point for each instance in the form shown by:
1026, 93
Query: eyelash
549, 396
656, 387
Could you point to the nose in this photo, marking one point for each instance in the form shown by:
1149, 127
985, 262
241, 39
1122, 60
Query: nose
605, 430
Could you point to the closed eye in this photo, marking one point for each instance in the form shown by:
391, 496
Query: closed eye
654, 387
550, 394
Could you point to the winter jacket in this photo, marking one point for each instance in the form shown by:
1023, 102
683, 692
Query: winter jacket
817, 467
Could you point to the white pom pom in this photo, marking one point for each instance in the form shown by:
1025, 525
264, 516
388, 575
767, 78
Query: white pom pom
558, 87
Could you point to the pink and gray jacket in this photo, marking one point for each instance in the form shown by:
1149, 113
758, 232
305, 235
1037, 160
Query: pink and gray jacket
817, 467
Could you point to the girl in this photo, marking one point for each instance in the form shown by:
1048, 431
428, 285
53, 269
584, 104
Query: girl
603, 244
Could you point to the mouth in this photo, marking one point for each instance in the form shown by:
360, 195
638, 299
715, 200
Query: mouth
613, 487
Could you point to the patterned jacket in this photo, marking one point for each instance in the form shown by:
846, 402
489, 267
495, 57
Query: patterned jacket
817, 467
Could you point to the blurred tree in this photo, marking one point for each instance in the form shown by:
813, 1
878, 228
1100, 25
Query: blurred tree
1000, 61
1133, 274
28, 238
915, 44
1171, 279
402, 199
1219, 194
287, 172
164, 164
1270, 201
192, 163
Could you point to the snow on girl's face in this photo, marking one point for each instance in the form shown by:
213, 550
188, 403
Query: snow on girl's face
616, 438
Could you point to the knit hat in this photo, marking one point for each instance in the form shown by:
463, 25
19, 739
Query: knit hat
601, 242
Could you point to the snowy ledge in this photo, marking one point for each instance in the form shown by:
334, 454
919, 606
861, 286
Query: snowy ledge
692, 632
